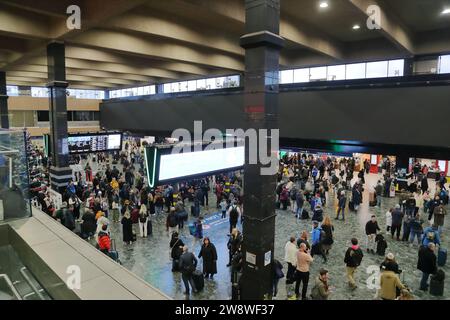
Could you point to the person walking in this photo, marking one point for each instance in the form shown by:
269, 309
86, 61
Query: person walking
304, 260
379, 193
427, 264
209, 254
290, 257
416, 229
234, 212
277, 275
321, 289
234, 242
353, 258
439, 213
176, 250
341, 205
172, 221
389, 220
188, 264
372, 229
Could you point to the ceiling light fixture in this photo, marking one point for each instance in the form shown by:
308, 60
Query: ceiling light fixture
323, 4
356, 27
446, 11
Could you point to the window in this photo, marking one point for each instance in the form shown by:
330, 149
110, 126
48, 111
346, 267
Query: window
286, 76
301, 75
318, 74
396, 68
21, 119
39, 92
336, 73
167, 88
444, 64
355, 71
201, 84
377, 69
192, 85
44, 116
232, 81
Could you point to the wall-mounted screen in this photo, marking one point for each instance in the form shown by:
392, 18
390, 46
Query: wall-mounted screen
94, 143
373, 159
163, 166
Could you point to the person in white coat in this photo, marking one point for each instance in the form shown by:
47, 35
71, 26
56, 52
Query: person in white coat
102, 220
290, 256
143, 221
389, 220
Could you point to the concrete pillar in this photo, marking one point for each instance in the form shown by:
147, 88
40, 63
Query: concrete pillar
60, 172
262, 45
4, 120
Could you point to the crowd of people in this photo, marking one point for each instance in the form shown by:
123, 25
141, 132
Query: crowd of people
95, 200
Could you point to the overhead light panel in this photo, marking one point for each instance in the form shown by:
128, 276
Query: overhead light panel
323, 4
356, 27
446, 11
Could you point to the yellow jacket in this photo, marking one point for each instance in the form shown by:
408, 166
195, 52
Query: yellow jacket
114, 184
389, 281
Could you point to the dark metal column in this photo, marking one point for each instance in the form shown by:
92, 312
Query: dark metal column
262, 44
60, 172
3, 101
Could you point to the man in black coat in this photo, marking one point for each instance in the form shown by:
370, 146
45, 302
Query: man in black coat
188, 264
397, 217
371, 231
426, 264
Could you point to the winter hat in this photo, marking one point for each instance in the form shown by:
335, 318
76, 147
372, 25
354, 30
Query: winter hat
390, 256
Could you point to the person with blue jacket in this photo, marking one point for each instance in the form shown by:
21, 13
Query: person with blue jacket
431, 235
316, 241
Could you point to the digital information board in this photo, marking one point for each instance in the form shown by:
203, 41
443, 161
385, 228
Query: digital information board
163, 166
89, 143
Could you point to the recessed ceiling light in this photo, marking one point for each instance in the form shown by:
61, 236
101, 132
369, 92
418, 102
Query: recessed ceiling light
446, 11
323, 4
356, 27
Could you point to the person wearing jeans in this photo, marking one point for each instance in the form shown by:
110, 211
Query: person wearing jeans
300, 200
341, 205
304, 259
188, 264
416, 229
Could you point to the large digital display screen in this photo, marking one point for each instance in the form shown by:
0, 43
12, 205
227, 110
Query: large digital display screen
174, 166
94, 143
163, 166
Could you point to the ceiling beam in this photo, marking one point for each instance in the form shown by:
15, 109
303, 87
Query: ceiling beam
155, 48
390, 25
163, 25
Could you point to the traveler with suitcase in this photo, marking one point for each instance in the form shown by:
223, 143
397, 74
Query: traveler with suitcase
104, 241
188, 265
426, 264
341, 205
290, 257
437, 283
176, 250
209, 254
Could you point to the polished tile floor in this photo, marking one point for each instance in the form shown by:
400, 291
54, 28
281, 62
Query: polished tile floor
149, 258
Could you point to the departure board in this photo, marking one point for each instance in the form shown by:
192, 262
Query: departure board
94, 143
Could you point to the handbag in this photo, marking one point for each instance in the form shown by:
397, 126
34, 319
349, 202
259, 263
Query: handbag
171, 248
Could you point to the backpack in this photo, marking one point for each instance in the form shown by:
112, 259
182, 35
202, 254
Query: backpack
234, 213
142, 217
293, 193
357, 257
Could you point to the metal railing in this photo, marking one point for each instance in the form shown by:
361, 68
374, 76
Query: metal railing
23, 272
11, 286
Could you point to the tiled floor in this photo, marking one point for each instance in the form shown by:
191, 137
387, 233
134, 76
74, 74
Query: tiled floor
149, 258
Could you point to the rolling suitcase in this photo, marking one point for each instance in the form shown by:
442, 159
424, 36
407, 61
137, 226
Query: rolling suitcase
199, 281
305, 214
442, 257
351, 206
437, 283
113, 254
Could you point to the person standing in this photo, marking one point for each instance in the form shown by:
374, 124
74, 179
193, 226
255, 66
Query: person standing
209, 254
397, 217
143, 221
426, 264
439, 213
223, 207
379, 192
317, 235
234, 212
277, 275
172, 221
304, 260
234, 244
389, 220
372, 229
290, 257
300, 200
416, 229
127, 228
353, 258
188, 264
176, 250
327, 241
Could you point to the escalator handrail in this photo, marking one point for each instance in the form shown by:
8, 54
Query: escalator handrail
11, 286
30, 283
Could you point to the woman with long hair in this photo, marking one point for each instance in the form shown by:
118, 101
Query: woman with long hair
328, 228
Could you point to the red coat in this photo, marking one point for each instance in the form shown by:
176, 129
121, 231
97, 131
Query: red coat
104, 242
